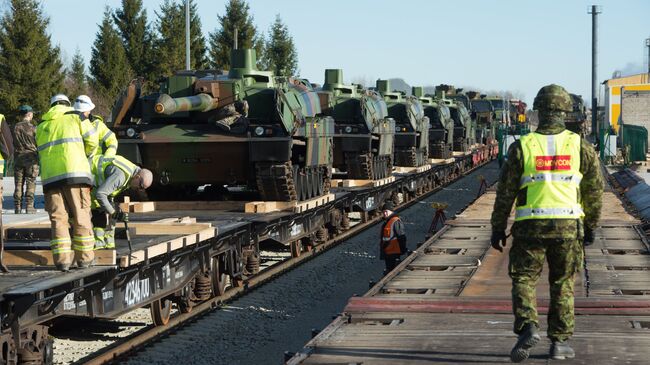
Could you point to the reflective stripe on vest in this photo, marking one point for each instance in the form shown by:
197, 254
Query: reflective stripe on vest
389, 239
551, 177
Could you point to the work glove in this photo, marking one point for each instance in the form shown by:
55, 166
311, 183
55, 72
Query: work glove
589, 238
498, 240
121, 216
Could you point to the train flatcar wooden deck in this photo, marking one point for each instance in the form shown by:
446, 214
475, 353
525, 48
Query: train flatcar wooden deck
449, 302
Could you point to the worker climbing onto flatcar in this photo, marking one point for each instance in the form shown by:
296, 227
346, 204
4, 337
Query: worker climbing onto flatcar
113, 176
393, 238
65, 139
553, 176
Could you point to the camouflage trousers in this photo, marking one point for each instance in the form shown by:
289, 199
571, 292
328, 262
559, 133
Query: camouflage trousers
25, 172
565, 258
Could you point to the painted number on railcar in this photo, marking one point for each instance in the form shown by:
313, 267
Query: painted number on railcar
370, 202
137, 290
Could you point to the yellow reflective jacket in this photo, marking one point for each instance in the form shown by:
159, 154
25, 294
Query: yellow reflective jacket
98, 166
107, 139
64, 142
550, 183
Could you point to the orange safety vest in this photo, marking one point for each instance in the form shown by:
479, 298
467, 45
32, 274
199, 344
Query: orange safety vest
389, 241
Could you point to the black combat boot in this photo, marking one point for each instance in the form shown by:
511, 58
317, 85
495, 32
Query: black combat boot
527, 339
560, 350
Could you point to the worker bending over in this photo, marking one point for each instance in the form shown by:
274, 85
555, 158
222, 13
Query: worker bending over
113, 176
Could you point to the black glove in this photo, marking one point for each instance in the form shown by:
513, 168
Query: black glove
498, 240
589, 237
121, 216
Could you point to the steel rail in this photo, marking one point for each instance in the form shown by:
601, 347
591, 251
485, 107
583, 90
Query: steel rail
146, 335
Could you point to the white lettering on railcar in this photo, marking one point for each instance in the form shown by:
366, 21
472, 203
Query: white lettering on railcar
370, 202
137, 290
69, 303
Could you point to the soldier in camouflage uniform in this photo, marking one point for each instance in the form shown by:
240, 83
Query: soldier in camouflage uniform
556, 232
25, 160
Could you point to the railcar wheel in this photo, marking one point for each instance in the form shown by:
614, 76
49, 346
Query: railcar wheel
161, 311
218, 276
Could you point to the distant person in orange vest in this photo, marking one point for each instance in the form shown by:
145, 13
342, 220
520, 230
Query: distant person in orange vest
393, 239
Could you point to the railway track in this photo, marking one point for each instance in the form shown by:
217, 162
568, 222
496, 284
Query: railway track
283, 263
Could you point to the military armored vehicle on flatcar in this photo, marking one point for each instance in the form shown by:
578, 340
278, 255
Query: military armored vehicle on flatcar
483, 113
464, 128
411, 126
363, 134
441, 126
247, 129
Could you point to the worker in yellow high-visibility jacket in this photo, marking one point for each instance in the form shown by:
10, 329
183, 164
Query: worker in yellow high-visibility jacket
65, 140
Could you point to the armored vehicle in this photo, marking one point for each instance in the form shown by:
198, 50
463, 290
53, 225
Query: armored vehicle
483, 113
411, 126
575, 120
441, 126
245, 129
464, 128
363, 134
500, 107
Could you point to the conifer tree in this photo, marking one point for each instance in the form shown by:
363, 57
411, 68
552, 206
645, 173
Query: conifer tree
170, 38
221, 40
109, 68
280, 54
30, 66
131, 22
75, 81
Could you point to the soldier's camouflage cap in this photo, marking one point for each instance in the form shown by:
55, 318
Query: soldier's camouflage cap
23, 109
553, 97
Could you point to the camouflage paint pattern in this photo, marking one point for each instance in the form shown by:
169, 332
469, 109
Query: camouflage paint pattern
410, 121
527, 256
203, 128
441, 126
359, 114
201, 102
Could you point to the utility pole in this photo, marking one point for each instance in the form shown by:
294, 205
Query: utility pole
187, 34
647, 44
594, 11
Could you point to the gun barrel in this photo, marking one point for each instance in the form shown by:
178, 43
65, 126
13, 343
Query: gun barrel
167, 105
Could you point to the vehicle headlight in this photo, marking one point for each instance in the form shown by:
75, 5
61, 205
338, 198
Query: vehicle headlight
398, 129
130, 133
259, 131
348, 129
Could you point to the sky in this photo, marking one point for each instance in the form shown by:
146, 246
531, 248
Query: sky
516, 45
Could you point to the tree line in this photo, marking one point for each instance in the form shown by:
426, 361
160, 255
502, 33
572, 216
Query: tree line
127, 45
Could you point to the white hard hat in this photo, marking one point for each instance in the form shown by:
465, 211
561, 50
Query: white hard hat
83, 104
59, 97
